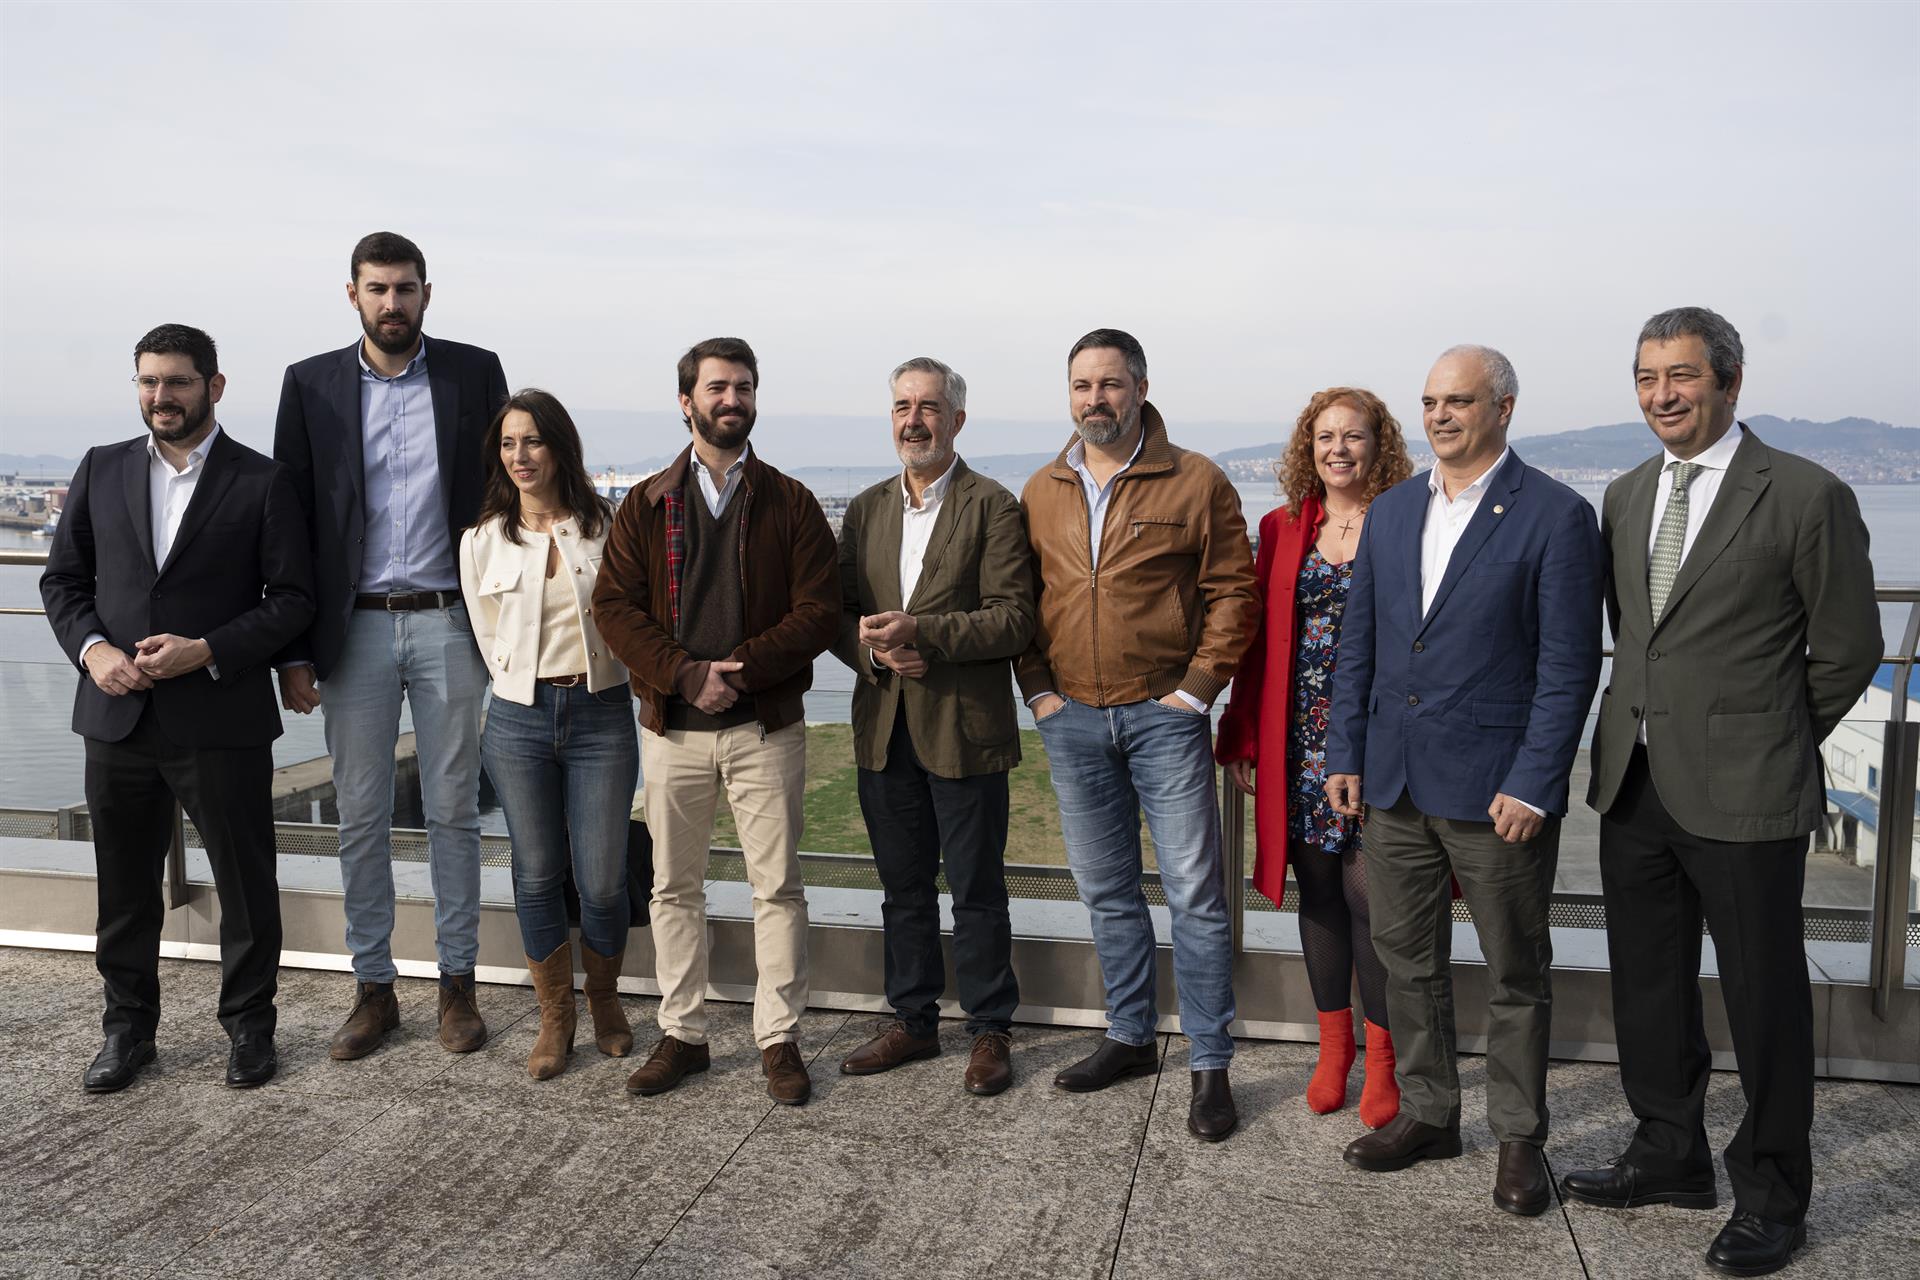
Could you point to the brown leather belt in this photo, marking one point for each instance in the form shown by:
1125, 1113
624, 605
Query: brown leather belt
562, 682
408, 601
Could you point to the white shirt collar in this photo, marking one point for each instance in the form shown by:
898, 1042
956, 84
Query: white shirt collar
195, 457
1719, 457
1435, 484
934, 492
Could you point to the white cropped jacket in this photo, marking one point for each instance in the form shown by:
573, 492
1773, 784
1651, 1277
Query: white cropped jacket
503, 585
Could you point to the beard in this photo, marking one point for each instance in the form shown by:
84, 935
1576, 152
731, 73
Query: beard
192, 419
385, 340
728, 435
924, 455
1096, 427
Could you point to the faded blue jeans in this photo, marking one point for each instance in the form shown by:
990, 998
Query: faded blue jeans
1110, 765
564, 769
426, 656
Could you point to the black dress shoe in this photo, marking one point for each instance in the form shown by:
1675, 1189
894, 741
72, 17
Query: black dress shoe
1624, 1185
117, 1063
1111, 1061
1521, 1186
1401, 1142
1211, 1116
1749, 1245
252, 1061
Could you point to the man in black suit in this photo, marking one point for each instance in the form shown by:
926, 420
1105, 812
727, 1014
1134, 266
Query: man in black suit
179, 569
383, 439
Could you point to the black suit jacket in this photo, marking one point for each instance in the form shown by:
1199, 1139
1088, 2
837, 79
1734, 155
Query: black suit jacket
238, 576
318, 435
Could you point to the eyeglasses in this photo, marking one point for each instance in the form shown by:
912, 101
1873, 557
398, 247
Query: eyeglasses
149, 384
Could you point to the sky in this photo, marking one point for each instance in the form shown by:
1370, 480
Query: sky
1273, 198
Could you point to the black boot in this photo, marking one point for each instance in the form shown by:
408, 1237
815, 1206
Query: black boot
1211, 1117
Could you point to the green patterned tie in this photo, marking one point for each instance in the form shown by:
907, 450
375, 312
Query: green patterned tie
1671, 541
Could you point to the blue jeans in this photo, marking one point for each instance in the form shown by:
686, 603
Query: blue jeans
1109, 765
564, 769
428, 657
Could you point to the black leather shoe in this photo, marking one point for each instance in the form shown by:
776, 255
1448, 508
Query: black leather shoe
252, 1061
1623, 1185
1521, 1186
1749, 1245
1111, 1061
1401, 1142
1211, 1116
117, 1063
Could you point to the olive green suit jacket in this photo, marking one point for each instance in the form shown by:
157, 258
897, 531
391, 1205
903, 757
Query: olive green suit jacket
974, 609
1769, 635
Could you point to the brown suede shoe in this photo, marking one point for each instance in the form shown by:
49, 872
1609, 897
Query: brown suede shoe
787, 1080
375, 1012
670, 1062
990, 1065
893, 1046
461, 1030
1521, 1185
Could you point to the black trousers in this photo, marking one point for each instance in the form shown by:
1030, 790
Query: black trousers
131, 786
1659, 883
913, 818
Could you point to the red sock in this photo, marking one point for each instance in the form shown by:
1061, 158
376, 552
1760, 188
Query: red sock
1380, 1094
1327, 1091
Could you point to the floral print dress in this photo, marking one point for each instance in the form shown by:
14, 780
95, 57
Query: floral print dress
1319, 598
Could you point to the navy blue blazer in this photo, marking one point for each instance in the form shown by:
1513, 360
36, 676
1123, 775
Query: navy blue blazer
319, 436
1488, 693
238, 576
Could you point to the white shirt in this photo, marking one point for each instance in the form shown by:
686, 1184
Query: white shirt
1446, 520
717, 496
916, 528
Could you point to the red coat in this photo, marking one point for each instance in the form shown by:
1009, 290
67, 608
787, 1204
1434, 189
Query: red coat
1254, 725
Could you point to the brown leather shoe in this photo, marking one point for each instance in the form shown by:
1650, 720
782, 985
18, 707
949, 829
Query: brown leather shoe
375, 1012
670, 1062
461, 1030
1402, 1141
893, 1046
990, 1065
787, 1080
1521, 1186
611, 1030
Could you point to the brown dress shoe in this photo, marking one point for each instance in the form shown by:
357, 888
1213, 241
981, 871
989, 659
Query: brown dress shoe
553, 984
1402, 1141
787, 1080
611, 1031
461, 1030
889, 1049
1522, 1186
670, 1062
990, 1065
375, 1012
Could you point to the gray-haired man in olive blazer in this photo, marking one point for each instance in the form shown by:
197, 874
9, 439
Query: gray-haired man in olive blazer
1743, 617
938, 597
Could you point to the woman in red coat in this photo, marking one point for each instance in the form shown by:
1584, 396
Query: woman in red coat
1346, 449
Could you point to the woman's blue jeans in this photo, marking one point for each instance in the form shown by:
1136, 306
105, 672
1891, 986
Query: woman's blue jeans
565, 770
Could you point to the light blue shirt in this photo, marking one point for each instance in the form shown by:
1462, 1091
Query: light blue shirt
718, 496
407, 546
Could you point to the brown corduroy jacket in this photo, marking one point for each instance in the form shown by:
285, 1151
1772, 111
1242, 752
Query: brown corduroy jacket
1173, 604
789, 581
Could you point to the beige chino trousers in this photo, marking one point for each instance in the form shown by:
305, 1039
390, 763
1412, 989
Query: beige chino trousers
765, 781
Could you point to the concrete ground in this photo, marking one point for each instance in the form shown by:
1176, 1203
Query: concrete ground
414, 1162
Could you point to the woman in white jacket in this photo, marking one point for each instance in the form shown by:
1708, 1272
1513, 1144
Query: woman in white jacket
560, 743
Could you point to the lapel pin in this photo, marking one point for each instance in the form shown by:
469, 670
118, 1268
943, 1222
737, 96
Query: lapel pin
1499, 510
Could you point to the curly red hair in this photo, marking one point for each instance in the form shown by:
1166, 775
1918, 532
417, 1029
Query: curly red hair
1295, 470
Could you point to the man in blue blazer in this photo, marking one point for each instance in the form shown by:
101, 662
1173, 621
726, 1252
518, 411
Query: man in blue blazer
1469, 655
383, 441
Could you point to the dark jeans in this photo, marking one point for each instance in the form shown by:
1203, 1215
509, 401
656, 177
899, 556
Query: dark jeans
131, 786
913, 817
564, 769
1659, 882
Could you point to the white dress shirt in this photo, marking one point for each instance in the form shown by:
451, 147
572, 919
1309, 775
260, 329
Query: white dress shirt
916, 528
718, 495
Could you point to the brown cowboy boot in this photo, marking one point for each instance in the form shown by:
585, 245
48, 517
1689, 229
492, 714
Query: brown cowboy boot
611, 1030
553, 983
461, 1030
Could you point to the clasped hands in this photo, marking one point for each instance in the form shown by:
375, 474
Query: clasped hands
713, 687
160, 657
893, 636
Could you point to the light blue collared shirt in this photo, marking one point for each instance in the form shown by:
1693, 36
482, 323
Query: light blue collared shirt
407, 546
718, 496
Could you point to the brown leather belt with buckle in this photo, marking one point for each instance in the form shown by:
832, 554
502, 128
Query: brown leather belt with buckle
562, 682
408, 601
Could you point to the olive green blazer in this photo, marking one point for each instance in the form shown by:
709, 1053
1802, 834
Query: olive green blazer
974, 608
1769, 636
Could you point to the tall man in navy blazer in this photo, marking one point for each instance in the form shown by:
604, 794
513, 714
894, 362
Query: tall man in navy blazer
1468, 658
180, 568
383, 439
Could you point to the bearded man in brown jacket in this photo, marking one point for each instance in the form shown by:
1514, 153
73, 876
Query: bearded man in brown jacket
719, 588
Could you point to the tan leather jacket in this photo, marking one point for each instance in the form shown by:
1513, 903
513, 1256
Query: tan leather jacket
1173, 605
